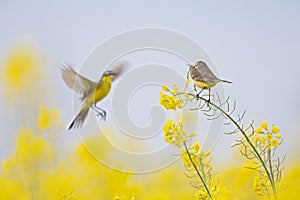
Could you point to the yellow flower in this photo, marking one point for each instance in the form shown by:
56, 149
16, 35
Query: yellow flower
268, 146
69, 195
170, 102
21, 72
182, 132
184, 157
261, 140
31, 151
168, 137
19, 67
257, 184
178, 140
48, 118
278, 136
275, 129
187, 82
175, 130
202, 194
180, 123
174, 134
180, 102
269, 136
259, 131
275, 143
175, 88
192, 134
168, 126
123, 197
195, 156
195, 147
264, 125
165, 88
186, 95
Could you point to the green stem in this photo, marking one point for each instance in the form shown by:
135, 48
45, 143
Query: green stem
271, 171
198, 173
202, 169
247, 139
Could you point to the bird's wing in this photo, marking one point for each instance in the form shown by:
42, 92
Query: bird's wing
205, 70
198, 76
77, 82
204, 78
207, 74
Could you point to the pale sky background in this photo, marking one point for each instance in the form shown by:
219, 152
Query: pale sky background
255, 44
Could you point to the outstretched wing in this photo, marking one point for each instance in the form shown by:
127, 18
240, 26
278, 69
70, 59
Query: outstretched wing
77, 82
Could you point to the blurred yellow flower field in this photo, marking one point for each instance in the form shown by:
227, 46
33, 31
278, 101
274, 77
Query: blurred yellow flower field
36, 170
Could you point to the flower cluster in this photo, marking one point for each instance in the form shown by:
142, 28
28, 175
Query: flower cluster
21, 73
20, 68
269, 138
48, 118
171, 102
202, 194
194, 153
123, 197
173, 133
259, 184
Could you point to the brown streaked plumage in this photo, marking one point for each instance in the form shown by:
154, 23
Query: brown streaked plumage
203, 77
200, 72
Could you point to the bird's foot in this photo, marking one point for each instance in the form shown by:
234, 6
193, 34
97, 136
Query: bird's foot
208, 102
102, 115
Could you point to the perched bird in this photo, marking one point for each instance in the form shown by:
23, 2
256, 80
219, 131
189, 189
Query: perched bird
92, 92
203, 77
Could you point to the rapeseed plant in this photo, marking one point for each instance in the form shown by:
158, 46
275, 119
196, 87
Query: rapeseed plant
261, 151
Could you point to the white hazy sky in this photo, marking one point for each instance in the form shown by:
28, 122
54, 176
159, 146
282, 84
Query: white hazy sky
253, 43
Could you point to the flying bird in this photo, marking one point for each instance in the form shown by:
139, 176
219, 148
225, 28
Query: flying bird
92, 92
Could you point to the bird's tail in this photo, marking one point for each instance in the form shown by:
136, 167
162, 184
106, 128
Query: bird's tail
79, 119
225, 81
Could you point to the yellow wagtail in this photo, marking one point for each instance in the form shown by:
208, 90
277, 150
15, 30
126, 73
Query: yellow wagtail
91, 92
203, 77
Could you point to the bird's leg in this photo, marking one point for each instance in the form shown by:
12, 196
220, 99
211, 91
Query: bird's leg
99, 111
195, 88
208, 97
103, 114
198, 95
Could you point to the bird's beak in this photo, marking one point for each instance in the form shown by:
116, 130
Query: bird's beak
190, 65
117, 71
